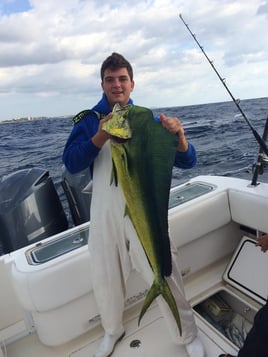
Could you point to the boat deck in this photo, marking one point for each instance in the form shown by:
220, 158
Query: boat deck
151, 339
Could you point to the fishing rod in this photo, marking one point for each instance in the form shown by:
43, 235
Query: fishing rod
236, 101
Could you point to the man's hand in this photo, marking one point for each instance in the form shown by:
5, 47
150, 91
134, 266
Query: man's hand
262, 242
174, 125
101, 136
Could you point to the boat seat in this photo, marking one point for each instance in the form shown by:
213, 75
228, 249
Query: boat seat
188, 222
249, 210
65, 279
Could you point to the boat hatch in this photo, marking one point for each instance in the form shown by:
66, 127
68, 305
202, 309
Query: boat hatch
232, 314
188, 192
247, 270
45, 252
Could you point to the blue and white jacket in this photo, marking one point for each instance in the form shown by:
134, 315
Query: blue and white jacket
80, 153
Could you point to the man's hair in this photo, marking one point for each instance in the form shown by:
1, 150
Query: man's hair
116, 61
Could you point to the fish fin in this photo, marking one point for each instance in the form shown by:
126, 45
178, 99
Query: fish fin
126, 213
169, 298
114, 177
125, 159
152, 294
161, 289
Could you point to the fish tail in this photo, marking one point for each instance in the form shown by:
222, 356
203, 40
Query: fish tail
161, 288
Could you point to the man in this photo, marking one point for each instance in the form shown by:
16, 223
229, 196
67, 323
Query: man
113, 243
256, 343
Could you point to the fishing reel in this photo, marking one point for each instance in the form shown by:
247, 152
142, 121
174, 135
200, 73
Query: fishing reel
260, 164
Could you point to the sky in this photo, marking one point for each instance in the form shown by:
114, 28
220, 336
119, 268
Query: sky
51, 52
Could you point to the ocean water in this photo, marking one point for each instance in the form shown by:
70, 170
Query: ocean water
223, 140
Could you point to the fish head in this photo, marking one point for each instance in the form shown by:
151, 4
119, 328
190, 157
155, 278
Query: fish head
118, 126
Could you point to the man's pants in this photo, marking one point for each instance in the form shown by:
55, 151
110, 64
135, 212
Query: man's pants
256, 343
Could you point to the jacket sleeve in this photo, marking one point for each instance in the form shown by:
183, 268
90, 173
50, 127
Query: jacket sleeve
79, 152
187, 159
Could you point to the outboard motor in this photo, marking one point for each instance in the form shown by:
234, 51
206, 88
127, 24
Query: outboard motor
30, 208
78, 192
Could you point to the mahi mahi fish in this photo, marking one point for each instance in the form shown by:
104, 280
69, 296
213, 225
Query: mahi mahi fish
143, 154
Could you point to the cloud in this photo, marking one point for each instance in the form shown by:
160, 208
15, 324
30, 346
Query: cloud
263, 9
51, 51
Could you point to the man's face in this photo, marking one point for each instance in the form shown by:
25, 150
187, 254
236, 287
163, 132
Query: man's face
117, 86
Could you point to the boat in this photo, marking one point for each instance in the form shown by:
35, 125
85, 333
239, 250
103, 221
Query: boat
47, 305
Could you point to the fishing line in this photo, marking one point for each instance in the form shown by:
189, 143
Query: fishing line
236, 101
